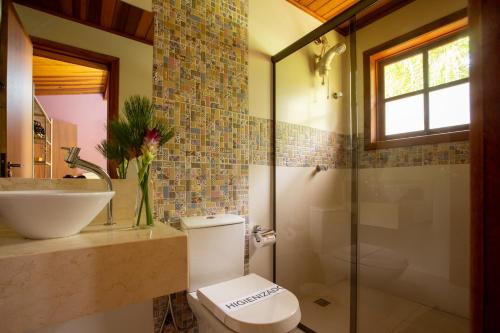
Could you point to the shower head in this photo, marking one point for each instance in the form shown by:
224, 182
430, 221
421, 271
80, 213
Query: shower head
323, 64
338, 48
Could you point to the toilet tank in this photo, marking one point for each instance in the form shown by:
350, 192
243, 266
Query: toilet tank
216, 248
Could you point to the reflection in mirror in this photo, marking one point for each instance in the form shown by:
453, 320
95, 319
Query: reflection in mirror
81, 69
70, 108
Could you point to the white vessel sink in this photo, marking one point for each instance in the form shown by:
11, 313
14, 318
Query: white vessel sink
51, 213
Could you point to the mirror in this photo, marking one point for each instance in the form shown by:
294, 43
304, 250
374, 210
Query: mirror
71, 70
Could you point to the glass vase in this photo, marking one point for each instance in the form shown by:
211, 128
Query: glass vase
143, 202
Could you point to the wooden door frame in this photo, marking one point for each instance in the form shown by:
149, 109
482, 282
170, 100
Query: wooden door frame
485, 165
3, 80
49, 49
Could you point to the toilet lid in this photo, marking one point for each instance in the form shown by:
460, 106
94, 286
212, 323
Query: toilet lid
252, 304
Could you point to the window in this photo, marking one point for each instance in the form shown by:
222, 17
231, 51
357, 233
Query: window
417, 86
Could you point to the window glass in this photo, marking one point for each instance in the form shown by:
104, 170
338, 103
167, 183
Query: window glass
404, 115
449, 106
449, 62
404, 76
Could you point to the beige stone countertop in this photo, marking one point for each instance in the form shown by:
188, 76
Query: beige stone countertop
44, 282
14, 245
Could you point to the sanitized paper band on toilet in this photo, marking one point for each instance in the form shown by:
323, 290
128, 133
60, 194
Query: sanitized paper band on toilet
256, 297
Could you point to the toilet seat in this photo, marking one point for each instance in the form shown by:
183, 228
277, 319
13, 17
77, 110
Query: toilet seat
274, 310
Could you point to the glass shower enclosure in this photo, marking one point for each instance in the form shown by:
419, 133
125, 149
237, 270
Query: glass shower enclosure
370, 239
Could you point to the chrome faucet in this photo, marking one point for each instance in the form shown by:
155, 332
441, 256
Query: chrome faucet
74, 161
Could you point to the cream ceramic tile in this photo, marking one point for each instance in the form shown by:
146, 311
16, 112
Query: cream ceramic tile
434, 321
430, 230
378, 312
381, 312
260, 202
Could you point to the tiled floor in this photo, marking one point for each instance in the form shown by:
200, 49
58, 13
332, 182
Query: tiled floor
379, 312
331, 318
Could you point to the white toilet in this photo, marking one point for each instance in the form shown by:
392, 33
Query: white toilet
221, 297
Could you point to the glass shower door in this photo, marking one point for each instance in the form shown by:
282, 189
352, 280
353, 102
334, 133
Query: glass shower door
313, 197
375, 238
413, 199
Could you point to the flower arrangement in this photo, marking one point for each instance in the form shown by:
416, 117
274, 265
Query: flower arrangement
137, 135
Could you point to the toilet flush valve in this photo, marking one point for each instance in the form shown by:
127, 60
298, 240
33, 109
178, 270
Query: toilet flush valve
263, 237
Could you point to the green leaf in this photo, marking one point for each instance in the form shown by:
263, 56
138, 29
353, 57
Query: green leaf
127, 132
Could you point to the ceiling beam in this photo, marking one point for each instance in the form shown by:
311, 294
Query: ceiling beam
114, 16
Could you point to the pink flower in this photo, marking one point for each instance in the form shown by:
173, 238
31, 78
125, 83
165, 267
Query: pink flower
152, 137
149, 147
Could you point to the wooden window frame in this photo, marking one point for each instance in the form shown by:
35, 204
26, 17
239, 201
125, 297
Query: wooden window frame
417, 41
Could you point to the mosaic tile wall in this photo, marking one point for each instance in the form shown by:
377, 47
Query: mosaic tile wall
303, 146
261, 141
436, 154
200, 87
296, 145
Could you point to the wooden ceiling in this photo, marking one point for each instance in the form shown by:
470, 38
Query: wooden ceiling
376, 11
54, 77
323, 10
114, 16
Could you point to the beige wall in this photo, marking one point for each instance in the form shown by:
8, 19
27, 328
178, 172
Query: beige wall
144, 4
136, 58
313, 222
301, 96
267, 36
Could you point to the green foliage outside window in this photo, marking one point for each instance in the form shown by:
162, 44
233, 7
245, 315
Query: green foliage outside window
404, 76
449, 62
446, 63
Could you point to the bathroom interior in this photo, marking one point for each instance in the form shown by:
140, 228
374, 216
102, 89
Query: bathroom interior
321, 156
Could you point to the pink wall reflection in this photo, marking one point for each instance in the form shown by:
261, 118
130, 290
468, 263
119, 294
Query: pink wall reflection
88, 112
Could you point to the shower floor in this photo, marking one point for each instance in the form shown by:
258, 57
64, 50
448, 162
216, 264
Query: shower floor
379, 312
